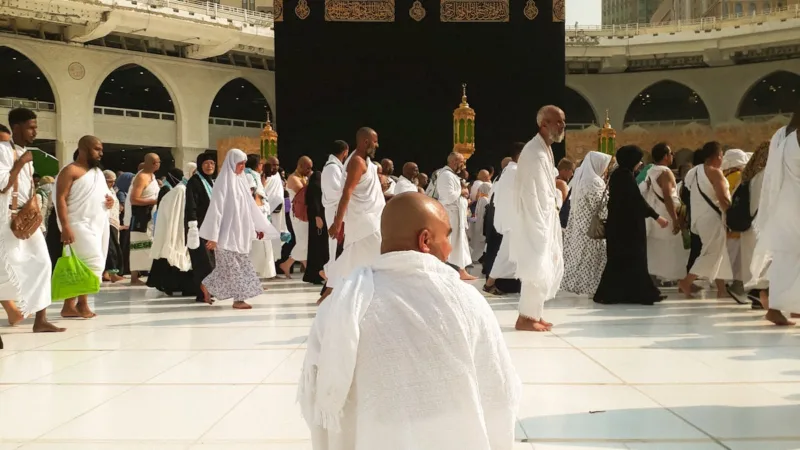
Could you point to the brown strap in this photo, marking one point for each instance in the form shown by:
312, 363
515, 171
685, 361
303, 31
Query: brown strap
15, 193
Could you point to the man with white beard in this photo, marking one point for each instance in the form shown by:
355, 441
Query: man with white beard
449, 191
504, 215
360, 207
538, 251
404, 349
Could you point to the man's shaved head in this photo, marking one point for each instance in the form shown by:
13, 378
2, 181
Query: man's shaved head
410, 171
304, 166
90, 151
271, 166
367, 142
87, 141
152, 162
415, 222
505, 162
364, 133
484, 176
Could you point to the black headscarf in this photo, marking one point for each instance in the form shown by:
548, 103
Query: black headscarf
201, 158
174, 176
629, 156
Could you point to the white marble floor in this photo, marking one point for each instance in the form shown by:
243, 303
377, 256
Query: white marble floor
154, 373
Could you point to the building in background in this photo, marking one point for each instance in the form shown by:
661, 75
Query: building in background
621, 12
685, 10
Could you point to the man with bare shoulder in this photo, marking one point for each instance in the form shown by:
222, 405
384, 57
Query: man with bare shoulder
142, 197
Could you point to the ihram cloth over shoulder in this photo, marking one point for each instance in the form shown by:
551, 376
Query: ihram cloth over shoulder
537, 248
403, 350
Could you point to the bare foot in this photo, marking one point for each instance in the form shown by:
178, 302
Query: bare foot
686, 288
241, 305
723, 294
546, 323
106, 277
69, 311
85, 311
285, 269
777, 317
794, 316
15, 316
138, 282
206, 295
325, 295
525, 324
465, 276
322, 275
115, 277
47, 327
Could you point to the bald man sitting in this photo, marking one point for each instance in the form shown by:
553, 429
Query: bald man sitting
408, 181
404, 349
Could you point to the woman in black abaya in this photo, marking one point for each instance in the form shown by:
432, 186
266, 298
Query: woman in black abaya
626, 278
317, 231
198, 198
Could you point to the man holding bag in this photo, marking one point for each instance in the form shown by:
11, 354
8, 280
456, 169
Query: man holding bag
82, 204
24, 263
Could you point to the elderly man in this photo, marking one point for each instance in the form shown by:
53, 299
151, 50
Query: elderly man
142, 198
483, 177
408, 181
536, 247
404, 350
449, 191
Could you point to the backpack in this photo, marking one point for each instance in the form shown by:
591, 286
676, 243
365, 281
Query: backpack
738, 217
299, 208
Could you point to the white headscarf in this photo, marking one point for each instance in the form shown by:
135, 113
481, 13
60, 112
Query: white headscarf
589, 176
189, 169
233, 216
734, 159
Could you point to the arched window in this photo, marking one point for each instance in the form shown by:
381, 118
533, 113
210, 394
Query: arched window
134, 87
753, 9
21, 79
580, 111
737, 8
239, 99
776, 93
724, 9
666, 101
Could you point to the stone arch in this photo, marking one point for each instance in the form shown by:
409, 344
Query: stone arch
8, 52
580, 110
240, 99
153, 70
775, 93
665, 101
268, 96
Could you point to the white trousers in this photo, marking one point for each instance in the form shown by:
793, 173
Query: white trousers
531, 303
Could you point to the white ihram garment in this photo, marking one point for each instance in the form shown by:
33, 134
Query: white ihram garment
169, 240
777, 219
25, 268
273, 190
666, 257
477, 241
537, 248
504, 216
404, 185
332, 183
749, 238
261, 251
402, 351
362, 239
300, 249
448, 187
714, 262
88, 218
141, 242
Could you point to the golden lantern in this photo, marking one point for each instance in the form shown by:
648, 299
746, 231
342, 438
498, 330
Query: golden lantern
607, 138
464, 127
269, 140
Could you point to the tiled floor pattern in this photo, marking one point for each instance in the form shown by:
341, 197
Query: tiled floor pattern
154, 373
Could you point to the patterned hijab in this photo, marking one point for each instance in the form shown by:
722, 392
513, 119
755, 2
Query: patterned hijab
757, 162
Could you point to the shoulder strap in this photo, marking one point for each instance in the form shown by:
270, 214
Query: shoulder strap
705, 197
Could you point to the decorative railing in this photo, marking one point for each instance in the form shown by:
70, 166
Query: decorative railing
211, 9
235, 122
136, 113
583, 32
667, 123
35, 105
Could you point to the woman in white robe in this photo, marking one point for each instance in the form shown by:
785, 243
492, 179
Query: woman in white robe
232, 222
477, 240
584, 257
666, 257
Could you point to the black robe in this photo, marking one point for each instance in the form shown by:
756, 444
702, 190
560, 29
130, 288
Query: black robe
626, 278
197, 203
167, 278
317, 238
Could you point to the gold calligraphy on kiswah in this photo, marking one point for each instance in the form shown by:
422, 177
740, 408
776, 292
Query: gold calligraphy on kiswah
277, 10
359, 10
474, 11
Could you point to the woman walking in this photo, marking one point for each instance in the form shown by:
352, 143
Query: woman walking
229, 226
114, 258
198, 198
584, 257
626, 278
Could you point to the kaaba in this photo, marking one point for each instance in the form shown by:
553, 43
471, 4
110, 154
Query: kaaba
398, 66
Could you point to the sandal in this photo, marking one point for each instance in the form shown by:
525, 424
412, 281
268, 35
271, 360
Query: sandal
492, 290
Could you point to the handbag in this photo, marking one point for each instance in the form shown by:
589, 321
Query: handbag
597, 226
72, 277
24, 221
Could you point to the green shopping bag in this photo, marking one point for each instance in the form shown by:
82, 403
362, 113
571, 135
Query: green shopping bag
72, 277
